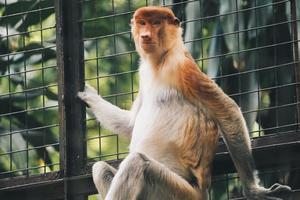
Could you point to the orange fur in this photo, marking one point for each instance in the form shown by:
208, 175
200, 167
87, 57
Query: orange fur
198, 145
199, 88
151, 12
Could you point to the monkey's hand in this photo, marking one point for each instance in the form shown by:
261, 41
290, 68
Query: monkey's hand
275, 192
90, 95
110, 116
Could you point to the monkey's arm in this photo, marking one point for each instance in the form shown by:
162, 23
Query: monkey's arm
198, 87
111, 116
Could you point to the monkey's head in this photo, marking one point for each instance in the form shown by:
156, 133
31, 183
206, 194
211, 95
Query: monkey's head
155, 29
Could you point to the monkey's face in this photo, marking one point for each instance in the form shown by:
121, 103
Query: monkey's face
149, 34
150, 28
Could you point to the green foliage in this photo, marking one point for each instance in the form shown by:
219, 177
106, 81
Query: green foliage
28, 100
24, 21
110, 66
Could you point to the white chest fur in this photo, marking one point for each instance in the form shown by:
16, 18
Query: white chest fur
161, 117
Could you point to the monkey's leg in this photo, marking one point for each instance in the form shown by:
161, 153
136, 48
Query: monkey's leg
103, 174
140, 177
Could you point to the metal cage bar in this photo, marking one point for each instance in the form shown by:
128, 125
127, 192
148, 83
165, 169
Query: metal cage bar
71, 76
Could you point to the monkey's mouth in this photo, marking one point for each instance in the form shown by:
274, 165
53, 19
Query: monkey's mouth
148, 46
149, 43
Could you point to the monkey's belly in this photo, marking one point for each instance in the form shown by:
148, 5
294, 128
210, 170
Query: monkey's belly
156, 132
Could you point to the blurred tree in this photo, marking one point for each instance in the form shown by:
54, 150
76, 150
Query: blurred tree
251, 40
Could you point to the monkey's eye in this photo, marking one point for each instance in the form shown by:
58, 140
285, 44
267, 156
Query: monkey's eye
156, 22
142, 22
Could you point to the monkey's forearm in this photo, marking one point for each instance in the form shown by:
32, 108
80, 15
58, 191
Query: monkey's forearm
110, 116
238, 144
235, 134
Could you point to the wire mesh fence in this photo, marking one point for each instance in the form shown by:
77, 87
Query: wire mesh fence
247, 48
111, 67
250, 48
28, 113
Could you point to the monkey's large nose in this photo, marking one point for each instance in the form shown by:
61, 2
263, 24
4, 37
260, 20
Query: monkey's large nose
146, 36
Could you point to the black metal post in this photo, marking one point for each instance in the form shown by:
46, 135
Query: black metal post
71, 80
296, 53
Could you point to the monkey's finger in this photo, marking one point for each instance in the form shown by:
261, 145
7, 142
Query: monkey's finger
277, 188
81, 95
271, 198
89, 89
273, 187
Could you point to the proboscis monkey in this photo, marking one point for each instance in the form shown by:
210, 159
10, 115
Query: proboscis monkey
174, 123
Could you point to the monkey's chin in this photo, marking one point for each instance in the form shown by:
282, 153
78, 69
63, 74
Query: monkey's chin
149, 48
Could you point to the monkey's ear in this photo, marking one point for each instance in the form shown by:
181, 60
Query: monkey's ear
176, 21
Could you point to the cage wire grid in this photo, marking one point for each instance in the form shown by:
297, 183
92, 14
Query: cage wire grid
96, 60
247, 47
256, 71
27, 92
